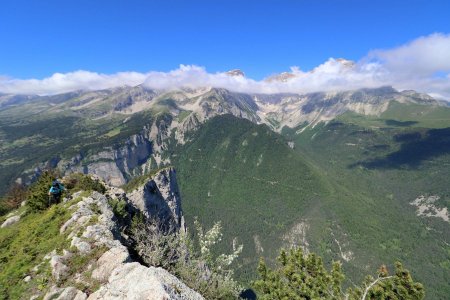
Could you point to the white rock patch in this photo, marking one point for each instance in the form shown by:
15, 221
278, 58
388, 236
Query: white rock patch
426, 207
296, 236
10, 221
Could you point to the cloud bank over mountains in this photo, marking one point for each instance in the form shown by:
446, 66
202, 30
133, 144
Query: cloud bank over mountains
422, 64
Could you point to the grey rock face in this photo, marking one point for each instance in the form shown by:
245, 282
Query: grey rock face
68, 293
82, 246
159, 197
113, 165
94, 227
58, 264
134, 281
110, 260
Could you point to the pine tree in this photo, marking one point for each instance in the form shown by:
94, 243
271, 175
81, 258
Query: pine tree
38, 198
301, 276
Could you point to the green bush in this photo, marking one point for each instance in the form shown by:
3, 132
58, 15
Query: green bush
38, 198
119, 208
302, 276
80, 182
4, 208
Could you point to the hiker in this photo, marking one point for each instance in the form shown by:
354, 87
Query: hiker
55, 192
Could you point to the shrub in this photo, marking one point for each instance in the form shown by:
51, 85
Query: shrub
157, 243
38, 198
77, 182
16, 194
119, 207
302, 276
164, 246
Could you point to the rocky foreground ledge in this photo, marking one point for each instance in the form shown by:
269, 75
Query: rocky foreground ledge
107, 265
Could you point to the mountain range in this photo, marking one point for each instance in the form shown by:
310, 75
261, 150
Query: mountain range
360, 176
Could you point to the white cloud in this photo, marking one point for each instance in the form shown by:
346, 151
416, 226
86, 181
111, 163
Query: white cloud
421, 57
422, 65
60, 83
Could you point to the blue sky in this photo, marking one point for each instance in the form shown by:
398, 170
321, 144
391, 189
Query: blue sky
262, 37
50, 47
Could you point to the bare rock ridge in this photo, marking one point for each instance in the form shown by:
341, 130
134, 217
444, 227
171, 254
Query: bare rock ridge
94, 228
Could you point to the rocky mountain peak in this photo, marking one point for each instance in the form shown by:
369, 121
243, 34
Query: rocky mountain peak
345, 62
235, 73
282, 77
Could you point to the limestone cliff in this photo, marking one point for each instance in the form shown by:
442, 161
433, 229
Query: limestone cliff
159, 197
113, 165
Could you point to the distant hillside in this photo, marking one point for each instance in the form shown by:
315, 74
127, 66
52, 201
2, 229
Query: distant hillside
314, 196
380, 168
249, 178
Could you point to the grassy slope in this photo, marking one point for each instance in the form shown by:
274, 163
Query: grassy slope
403, 115
24, 245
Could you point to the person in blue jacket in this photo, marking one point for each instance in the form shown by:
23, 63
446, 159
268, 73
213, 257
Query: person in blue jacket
55, 192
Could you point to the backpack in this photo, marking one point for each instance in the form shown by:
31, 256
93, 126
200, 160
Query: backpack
56, 189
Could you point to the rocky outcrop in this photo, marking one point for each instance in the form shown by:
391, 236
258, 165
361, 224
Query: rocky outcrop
235, 73
68, 293
109, 261
427, 206
159, 197
58, 264
134, 281
94, 228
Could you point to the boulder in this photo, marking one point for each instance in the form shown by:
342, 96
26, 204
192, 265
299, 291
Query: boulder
57, 263
68, 293
10, 221
134, 281
81, 245
110, 260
